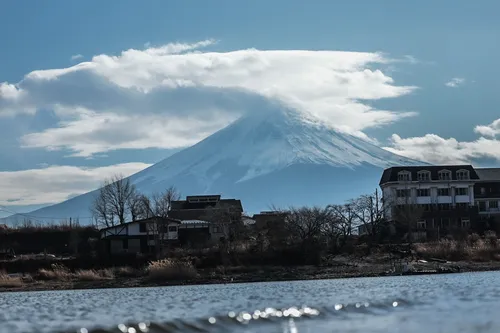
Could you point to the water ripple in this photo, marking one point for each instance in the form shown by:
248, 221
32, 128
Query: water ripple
267, 316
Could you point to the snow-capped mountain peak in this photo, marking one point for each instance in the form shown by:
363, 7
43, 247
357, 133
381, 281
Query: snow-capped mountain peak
264, 143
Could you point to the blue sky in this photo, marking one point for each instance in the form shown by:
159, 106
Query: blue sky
442, 51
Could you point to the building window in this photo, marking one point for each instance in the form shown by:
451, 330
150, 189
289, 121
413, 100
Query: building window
443, 192
424, 176
404, 176
465, 223
483, 190
462, 191
142, 227
494, 204
423, 192
463, 174
403, 193
482, 206
444, 175
444, 206
445, 222
217, 230
462, 205
422, 224
172, 228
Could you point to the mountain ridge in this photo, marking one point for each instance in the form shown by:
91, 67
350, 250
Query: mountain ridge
279, 158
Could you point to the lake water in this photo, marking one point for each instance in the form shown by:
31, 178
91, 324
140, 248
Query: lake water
468, 302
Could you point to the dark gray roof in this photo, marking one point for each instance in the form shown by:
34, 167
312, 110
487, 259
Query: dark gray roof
488, 174
391, 174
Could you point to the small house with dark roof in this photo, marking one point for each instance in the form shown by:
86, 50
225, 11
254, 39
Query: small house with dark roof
141, 236
441, 197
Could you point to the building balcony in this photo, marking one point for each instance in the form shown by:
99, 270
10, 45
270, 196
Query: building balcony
489, 211
462, 199
424, 200
444, 199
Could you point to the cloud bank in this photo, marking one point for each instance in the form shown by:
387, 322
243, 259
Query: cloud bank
174, 95
29, 187
437, 150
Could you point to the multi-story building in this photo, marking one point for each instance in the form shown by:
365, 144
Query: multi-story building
487, 197
430, 199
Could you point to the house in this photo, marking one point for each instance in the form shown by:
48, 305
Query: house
269, 220
142, 236
487, 196
210, 212
431, 200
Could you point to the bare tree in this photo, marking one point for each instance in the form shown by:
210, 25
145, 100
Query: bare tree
110, 206
146, 208
404, 211
341, 222
306, 224
162, 202
157, 209
134, 206
368, 211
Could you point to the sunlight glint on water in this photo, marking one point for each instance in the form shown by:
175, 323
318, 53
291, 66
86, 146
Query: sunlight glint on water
452, 303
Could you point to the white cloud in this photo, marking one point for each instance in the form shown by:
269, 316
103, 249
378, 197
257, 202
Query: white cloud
76, 57
455, 82
94, 132
9, 91
171, 85
492, 130
437, 150
29, 187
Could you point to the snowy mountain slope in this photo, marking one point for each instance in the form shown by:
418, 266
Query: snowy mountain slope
278, 158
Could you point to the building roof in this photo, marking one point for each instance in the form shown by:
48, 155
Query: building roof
202, 202
194, 222
391, 174
141, 221
488, 174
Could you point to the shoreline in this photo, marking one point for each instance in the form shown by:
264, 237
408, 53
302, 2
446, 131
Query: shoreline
252, 275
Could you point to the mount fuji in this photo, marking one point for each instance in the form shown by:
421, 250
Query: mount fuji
278, 159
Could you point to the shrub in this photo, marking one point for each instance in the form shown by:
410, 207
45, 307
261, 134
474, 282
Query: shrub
171, 269
7, 281
88, 275
491, 238
474, 248
472, 239
126, 271
57, 272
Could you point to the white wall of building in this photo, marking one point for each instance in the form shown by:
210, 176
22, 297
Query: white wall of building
134, 229
390, 190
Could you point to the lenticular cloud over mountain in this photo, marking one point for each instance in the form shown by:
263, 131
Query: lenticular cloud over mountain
270, 127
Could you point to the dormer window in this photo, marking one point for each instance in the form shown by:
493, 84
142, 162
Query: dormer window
444, 175
463, 174
404, 176
424, 176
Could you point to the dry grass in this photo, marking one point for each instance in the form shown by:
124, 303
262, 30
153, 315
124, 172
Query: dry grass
7, 281
94, 275
473, 248
171, 269
62, 273
127, 271
57, 272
